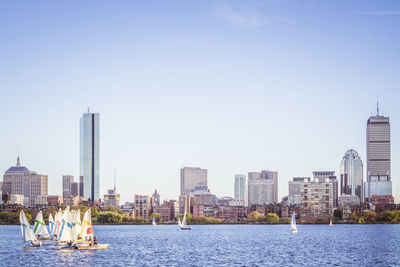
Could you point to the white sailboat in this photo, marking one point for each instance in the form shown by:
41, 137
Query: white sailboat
179, 222
293, 226
154, 222
330, 223
66, 234
27, 232
183, 224
87, 233
40, 228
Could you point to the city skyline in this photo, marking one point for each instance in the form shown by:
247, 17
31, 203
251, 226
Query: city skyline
231, 87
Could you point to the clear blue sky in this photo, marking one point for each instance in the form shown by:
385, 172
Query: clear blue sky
231, 86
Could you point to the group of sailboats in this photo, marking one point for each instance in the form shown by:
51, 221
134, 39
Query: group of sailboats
66, 228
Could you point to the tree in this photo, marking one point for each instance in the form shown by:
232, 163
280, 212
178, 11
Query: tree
271, 218
255, 216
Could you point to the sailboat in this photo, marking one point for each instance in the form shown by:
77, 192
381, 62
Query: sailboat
88, 234
66, 234
154, 221
330, 223
27, 232
293, 226
40, 228
183, 224
179, 222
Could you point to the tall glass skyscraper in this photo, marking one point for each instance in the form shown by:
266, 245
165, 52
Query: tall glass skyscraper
89, 155
378, 156
240, 187
351, 174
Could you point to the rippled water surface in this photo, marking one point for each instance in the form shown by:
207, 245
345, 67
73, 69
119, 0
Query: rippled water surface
222, 245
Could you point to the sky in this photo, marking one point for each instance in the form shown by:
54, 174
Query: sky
230, 86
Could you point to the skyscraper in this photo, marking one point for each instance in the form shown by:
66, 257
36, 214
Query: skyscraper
378, 156
351, 174
262, 187
67, 181
240, 187
192, 178
89, 155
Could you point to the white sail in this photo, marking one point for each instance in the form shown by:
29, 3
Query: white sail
330, 223
66, 227
52, 225
87, 229
78, 224
154, 221
179, 222
39, 227
58, 221
184, 219
26, 230
293, 223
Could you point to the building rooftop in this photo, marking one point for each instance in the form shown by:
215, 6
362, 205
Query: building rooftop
18, 168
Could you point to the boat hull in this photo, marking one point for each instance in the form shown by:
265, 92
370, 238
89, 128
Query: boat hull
95, 247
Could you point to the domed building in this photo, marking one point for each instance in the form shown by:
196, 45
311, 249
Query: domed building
19, 180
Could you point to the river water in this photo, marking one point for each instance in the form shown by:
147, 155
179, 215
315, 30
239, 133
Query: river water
216, 245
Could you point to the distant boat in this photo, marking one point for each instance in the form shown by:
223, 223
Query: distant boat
183, 224
293, 227
27, 231
330, 223
179, 222
154, 221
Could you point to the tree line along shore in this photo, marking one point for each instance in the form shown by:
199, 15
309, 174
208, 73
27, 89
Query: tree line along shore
115, 216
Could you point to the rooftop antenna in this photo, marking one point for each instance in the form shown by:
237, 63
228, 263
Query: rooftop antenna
115, 178
377, 106
88, 110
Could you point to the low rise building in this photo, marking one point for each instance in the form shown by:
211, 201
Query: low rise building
55, 200
381, 203
19, 199
143, 206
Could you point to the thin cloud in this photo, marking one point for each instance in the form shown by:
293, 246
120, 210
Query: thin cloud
379, 13
237, 19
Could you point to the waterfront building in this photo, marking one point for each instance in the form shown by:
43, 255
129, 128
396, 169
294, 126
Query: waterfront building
328, 177
262, 187
72, 201
378, 157
351, 174
67, 180
240, 189
316, 199
89, 155
192, 177
381, 203
143, 206
156, 197
168, 210
231, 213
21, 181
